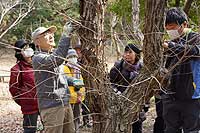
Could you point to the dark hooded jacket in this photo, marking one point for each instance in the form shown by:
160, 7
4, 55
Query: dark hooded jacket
183, 63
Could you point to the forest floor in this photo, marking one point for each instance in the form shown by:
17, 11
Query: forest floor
10, 114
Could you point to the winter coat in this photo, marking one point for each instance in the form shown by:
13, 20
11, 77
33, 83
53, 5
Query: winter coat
122, 74
51, 92
22, 87
71, 71
184, 79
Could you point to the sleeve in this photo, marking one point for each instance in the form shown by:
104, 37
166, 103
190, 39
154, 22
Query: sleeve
114, 72
192, 47
14, 86
50, 61
70, 81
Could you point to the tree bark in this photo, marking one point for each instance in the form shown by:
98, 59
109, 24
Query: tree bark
114, 113
91, 36
153, 35
187, 6
137, 34
177, 3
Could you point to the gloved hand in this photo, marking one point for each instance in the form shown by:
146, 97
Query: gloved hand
142, 116
67, 29
77, 88
77, 83
146, 108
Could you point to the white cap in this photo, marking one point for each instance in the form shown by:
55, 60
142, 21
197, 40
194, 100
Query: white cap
41, 30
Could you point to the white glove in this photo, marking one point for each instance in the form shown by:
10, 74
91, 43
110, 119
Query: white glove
67, 29
78, 82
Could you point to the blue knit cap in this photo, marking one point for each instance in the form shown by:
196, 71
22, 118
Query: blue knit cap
72, 52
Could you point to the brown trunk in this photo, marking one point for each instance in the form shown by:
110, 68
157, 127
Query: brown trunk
153, 35
91, 36
177, 3
187, 6
115, 113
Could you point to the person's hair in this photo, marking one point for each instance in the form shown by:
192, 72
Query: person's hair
175, 15
137, 57
19, 56
20, 44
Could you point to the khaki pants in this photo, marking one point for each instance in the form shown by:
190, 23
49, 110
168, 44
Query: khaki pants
58, 119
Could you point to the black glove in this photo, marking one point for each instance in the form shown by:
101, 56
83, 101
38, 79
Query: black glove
142, 116
146, 107
77, 88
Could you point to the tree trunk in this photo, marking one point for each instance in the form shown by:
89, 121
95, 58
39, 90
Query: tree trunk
137, 34
187, 6
114, 113
153, 35
177, 3
91, 37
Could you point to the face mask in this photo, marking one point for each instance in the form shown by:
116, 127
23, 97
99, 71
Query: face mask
28, 52
73, 60
173, 34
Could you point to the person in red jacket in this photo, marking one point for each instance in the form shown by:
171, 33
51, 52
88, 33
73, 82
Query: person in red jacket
22, 86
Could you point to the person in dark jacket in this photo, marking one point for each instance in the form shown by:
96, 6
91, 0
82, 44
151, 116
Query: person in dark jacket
123, 73
22, 86
181, 105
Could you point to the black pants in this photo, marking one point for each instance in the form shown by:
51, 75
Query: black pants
85, 113
159, 125
137, 127
30, 123
181, 114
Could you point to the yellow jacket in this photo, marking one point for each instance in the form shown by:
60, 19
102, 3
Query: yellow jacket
74, 95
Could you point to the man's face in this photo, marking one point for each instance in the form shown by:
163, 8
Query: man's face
46, 40
174, 26
129, 56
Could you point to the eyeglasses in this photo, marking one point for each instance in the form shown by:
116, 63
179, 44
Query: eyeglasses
45, 34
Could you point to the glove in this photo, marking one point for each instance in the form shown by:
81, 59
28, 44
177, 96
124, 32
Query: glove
67, 29
77, 88
142, 116
78, 82
146, 108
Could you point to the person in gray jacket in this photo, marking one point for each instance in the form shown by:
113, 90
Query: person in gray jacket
53, 96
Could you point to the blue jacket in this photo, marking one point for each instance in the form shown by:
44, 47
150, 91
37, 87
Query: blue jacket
183, 63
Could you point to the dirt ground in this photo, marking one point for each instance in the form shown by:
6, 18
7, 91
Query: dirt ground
10, 114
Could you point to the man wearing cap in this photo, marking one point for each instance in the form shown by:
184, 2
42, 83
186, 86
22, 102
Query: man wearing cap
53, 97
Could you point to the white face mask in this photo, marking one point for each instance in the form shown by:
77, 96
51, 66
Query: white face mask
28, 52
73, 60
173, 34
